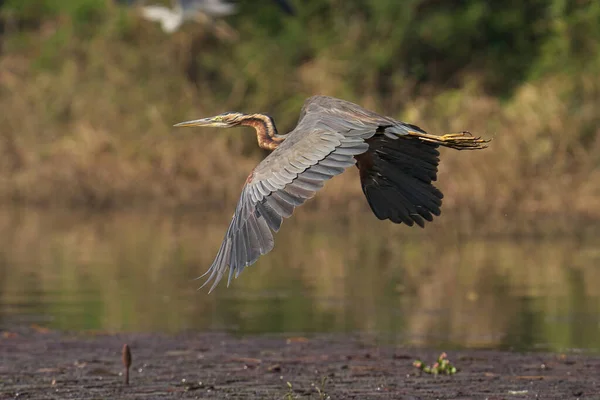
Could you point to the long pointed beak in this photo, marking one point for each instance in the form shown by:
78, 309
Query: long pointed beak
203, 122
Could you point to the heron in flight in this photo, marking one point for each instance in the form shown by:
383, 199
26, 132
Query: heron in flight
397, 163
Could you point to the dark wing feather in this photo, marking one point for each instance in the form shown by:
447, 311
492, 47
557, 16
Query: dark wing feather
396, 177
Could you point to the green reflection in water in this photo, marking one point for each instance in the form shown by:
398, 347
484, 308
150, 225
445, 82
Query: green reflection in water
134, 272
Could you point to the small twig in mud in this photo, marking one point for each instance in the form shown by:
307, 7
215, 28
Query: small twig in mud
442, 366
126, 357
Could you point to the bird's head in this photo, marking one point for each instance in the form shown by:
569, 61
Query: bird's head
225, 120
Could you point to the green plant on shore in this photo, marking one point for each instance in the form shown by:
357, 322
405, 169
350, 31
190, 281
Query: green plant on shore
290, 393
442, 366
320, 388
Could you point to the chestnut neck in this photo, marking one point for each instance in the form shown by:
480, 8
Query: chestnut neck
266, 132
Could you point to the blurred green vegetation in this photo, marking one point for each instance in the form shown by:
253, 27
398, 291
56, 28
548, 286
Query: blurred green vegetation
89, 91
382, 46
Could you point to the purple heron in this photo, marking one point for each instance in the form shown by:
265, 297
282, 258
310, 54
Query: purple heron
397, 162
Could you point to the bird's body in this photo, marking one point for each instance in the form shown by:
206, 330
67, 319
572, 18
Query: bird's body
397, 163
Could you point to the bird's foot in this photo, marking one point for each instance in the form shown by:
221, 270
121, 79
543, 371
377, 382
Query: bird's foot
459, 141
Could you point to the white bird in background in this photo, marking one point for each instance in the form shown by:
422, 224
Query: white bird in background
198, 10
172, 19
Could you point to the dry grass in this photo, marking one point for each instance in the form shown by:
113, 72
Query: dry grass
91, 127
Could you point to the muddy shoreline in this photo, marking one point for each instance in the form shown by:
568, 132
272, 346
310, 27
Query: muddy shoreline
41, 364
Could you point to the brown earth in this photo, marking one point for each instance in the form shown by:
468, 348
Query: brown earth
41, 364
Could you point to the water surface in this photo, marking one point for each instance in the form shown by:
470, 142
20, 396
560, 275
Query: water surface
133, 271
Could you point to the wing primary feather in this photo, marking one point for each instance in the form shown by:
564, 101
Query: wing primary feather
265, 234
242, 252
256, 233
217, 268
252, 245
378, 198
417, 218
415, 190
212, 267
216, 281
280, 206
229, 276
289, 198
273, 219
247, 245
423, 212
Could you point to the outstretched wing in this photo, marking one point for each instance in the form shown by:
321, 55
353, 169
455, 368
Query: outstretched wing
281, 182
321, 146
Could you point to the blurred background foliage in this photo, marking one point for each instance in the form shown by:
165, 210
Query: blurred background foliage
90, 90
421, 42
